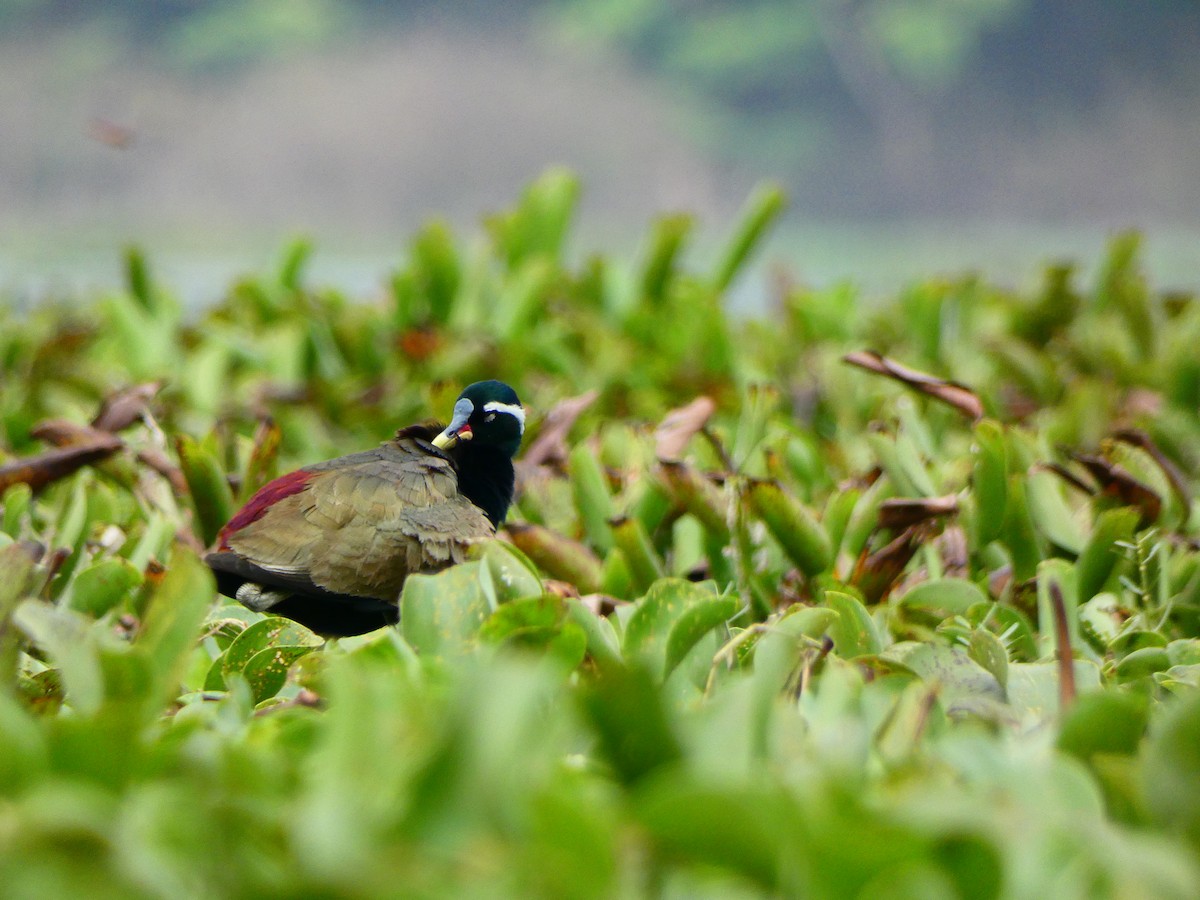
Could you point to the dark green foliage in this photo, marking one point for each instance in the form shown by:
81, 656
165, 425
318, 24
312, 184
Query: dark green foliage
813, 656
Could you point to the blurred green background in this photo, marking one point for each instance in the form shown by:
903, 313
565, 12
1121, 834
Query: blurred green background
911, 135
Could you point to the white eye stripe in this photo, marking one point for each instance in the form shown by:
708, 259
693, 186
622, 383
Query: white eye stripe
515, 410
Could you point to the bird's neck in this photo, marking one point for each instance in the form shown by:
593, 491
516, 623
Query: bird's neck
486, 478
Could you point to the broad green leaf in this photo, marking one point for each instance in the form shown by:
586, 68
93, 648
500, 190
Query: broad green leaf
695, 622
1100, 554
943, 597
102, 585
854, 633
441, 614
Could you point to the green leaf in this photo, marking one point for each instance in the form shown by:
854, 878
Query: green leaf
649, 627
266, 671
854, 633
943, 597
99, 587
441, 614
989, 480
592, 499
210, 491
763, 207
798, 533
1172, 770
1101, 554
268, 635
695, 622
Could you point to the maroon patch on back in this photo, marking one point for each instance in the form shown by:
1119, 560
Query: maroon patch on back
266, 497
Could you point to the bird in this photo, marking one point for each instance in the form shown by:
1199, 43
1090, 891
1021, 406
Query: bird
330, 545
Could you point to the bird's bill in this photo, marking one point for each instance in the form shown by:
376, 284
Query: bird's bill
449, 438
458, 429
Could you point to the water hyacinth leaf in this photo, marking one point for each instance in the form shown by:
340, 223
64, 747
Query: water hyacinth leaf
1104, 722
296, 256
268, 634
1050, 513
963, 686
100, 586
1172, 770
988, 650
506, 574
698, 496
267, 670
558, 556
750, 832
615, 577
176, 609
16, 500
603, 643
649, 627
1101, 553
640, 558
627, 713
1143, 663
693, 624
944, 597
762, 208
538, 226
441, 614
854, 633
592, 499
538, 624
1056, 573
667, 239
777, 652
793, 526
835, 518
65, 637
207, 484
1018, 533
1033, 688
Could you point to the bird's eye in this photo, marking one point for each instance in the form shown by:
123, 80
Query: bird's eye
491, 417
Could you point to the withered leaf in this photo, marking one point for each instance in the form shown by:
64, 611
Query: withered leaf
44, 468
951, 393
903, 512
1179, 485
1068, 476
679, 426
1116, 482
876, 573
262, 465
550, 446
125, 407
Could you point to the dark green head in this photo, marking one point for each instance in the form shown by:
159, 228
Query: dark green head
488, 414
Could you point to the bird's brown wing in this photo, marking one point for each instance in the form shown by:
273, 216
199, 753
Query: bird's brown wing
362, 523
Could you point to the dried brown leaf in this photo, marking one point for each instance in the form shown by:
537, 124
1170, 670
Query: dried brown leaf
44, 468
550, 447
1179, 485
125, 407
876, 573
905, 512
1116, 482
953, 394
679, 426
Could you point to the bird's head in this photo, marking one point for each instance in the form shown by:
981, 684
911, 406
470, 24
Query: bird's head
489, 414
